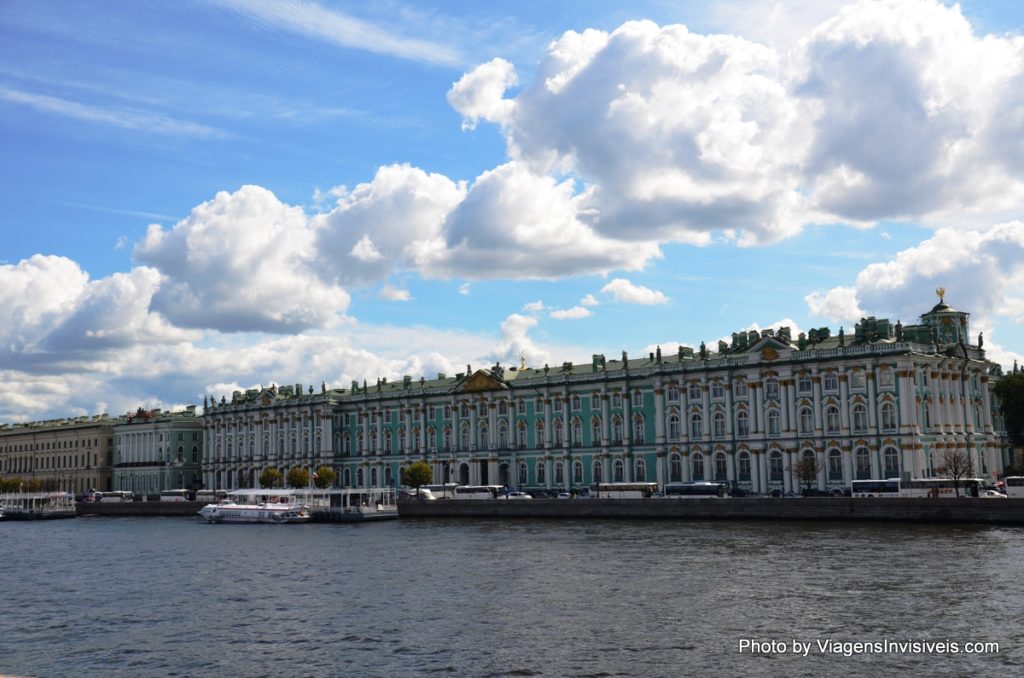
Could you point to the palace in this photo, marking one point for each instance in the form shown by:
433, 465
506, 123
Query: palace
887, 401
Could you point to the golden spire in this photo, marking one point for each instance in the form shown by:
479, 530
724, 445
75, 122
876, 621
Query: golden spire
941, 291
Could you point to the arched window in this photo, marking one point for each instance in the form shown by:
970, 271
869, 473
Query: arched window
577, 431
674, 431
860, 418
832, 419
577, 402
617, 478
675, 468
696, 426
539, 431
559, 473
373, 477
888, 417
743, 463
541, 472
892, 462
718, 425
598, 472
863, 463
694, 391
641, 470
556, 431
835, 465
616, 430
638, 429
482, 434
697, 466
387, 476
523, 474
830, 382
742, 424
721, 468
464, 437
773, 422
577, 472
521, 435
387, 441
359, 477
503, 435
771, 388
775, 465
806, 420
595, 431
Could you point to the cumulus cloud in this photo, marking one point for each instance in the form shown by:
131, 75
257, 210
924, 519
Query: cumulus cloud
982, 271
574, 313
392, 293
241, 262
623, 290
479, 94
589, 300
534, 306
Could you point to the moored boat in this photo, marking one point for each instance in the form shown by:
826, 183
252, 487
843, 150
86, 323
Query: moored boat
258, 506
37, 506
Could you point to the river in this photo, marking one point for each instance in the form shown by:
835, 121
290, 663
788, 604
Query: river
177, 597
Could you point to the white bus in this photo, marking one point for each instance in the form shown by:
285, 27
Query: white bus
446, 491
477, 491
941, 487
696, 490
875, 488
174, 495
623, 490
1014, 486
211, 496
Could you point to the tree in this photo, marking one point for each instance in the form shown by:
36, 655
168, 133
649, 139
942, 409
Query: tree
1009, 391
298, 477
270, 477
418, 473
325, 477
806, 471
956, 465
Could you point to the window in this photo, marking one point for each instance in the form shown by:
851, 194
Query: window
481, 410
744, 466
697, 464
835, 465
696, 426
617, 400
773, 422
557, 433
675, 468
857, 380
638, 430
641, 470
718, 425
742, 424
521, 407
775, 465
616, 430
595, 431
806, 420
541, 473
863, 463
577, 402
888, 417
577, 472
674, 430
892, 463
741, 388
540, 434
559, 473
832, 419
673, 393
717, 390
771, 388
464, 438
464, 410
503, 436
619, 471
577, 432
638, 399
598, 472
885, 377
860, 418
803, 383
522, 474
521, 435
721, 472
503, 408
694, 391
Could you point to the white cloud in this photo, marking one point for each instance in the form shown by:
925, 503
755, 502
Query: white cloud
464, 289
589, 300
622, 290
479, 93
534, 306
331, 25
241, 262
574, 313
982, 272
392, 293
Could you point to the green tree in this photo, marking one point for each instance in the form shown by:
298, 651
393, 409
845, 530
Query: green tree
298, 477
1009, 391
270, 477
418, 473
806, 471
325, 477
956, 465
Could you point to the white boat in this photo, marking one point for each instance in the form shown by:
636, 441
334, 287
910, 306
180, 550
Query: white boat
353, 504
258, 506
37, 506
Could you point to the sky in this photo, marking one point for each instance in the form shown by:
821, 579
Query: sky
213, 195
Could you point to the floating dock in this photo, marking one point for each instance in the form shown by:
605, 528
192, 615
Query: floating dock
952, 510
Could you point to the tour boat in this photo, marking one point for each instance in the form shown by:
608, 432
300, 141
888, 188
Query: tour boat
37, 506
258, 506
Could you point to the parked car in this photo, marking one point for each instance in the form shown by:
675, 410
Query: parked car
515, 494
991, 494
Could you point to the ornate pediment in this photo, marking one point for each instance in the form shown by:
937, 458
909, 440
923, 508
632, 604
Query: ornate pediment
770, 349
481, 380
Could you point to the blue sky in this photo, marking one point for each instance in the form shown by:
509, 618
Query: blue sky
217, 194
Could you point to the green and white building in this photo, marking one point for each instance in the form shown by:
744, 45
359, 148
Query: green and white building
158, 450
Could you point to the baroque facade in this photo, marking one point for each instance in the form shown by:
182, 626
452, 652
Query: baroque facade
889, 401
157, 450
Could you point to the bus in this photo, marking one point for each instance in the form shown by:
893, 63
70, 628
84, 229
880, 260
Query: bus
696, 490
211, 496
175, 495
941, 487
446, 491
875, 488
115, 496
477, 491
623, 490
1014, 486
